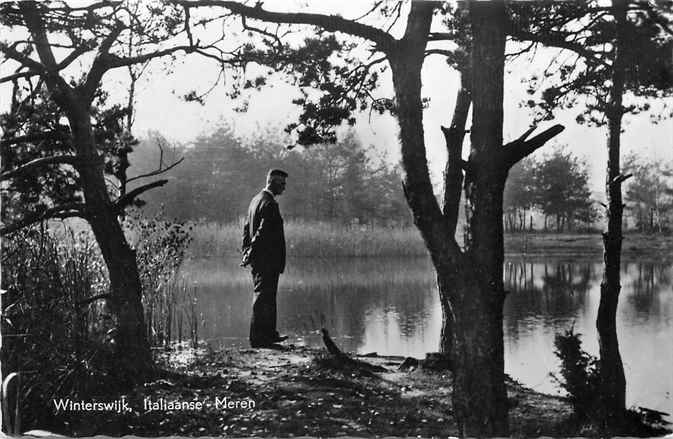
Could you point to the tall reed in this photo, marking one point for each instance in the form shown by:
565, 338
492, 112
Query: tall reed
167, 300
314, 239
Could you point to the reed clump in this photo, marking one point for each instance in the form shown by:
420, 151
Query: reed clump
314, 239
57, 330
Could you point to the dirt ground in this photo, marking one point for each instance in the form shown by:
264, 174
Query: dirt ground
299, 391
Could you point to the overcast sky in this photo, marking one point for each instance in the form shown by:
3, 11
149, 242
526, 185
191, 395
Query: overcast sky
160, 108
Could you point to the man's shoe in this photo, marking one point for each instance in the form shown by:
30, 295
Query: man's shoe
261, 344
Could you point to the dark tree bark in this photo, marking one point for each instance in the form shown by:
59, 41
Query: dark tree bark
613, 382
99, 210
482, 401
125, 286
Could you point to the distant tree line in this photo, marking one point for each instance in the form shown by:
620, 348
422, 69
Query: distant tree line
343, 182
556, 186
649, 194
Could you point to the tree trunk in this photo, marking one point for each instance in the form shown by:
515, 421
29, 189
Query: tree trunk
480, 397
125, 286
132, 349
470, 281
470, 287
613, 382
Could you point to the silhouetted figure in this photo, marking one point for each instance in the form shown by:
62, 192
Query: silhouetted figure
264, 250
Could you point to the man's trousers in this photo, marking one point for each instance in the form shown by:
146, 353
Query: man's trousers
263, 323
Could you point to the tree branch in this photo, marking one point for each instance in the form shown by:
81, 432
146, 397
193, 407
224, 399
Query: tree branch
59, 159
444, 52
11, 52
72, 56
453, 171
18, 75
63, 211
128, 198
332, 23
48, 64
156, 172
441, 36
560, 42
520, 148
100, 64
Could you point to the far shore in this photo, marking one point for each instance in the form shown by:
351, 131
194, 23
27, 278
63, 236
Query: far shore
324, 240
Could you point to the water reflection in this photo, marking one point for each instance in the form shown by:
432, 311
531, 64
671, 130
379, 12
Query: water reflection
390, 306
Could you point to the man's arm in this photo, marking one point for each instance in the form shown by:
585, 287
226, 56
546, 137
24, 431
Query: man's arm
246, 236
266, 214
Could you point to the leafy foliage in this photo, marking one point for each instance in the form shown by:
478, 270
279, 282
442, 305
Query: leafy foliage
342, 182
52, 333
557, 186
586, 31
649, 194
37, 122
580, 374
54, 314
520, 194
562, 188
334, 83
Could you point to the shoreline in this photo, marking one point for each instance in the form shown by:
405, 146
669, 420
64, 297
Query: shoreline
300, 391
323, 240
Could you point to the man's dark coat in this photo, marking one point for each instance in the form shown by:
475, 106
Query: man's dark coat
263, 235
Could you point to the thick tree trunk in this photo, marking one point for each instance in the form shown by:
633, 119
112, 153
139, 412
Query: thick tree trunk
132, 349
480, 397
471, 287
470, 281
125, 303
613, 382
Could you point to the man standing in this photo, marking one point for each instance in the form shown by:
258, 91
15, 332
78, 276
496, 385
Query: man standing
264, 250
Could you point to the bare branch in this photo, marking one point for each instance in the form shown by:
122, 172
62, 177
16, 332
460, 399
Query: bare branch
91, 7
522, 51
19, 75
377, 4
520, 148
441, 36
157, 172
443, 52
128, 198
100, 64
188, 27
621, 178
11, 52
72, 56
453, 171
247, 27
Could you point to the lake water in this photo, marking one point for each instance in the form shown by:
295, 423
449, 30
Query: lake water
390, 306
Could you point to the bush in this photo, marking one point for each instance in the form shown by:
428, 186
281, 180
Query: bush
53, 330
55, 326
580, 377
580, 374
160, 247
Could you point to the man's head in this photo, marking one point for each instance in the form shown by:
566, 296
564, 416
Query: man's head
275, 181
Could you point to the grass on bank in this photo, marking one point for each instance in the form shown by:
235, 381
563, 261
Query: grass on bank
324, 240
315, 239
